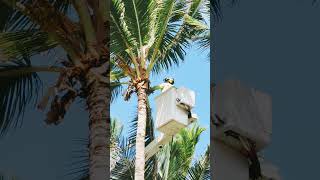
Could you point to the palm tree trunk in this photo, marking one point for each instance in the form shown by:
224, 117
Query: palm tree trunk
141, 131
99, 128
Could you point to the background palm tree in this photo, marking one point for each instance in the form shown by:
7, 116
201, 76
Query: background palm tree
79, 29
148, 37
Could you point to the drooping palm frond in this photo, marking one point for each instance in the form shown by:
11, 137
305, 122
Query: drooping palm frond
15, 45
17, 91
203, 40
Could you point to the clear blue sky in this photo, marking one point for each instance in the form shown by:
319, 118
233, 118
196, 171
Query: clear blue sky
193, 73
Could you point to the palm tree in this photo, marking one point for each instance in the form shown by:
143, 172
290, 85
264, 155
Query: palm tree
174, 161
79, 29
147, 37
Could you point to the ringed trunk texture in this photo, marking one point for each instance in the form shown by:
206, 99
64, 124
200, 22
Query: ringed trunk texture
99, 127
141, 132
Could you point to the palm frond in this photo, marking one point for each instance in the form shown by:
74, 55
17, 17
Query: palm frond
124, 168
216, 7
122, 39
203, 40
78, 169
137, 15
181, 152
201, 168
15, 45
14, 20
116, 89
184, 22
17, 91
215, 10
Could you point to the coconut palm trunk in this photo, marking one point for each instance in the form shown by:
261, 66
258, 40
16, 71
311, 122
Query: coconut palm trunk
141, 131
99, 128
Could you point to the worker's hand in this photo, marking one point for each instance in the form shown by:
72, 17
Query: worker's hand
154, 88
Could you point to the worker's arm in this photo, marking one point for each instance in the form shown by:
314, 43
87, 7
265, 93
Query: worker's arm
155, 88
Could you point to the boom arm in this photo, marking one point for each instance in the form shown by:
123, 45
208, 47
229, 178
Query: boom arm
156, 145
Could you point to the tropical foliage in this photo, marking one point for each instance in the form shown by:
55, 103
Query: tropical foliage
148, 37
174, 161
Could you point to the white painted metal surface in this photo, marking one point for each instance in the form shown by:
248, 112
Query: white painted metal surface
156, 145
228, 163
245, 111
186, 97
170, 118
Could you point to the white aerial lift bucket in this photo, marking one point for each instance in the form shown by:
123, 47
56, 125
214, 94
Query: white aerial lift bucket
171, 117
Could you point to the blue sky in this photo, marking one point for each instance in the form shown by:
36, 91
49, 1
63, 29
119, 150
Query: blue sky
193, 73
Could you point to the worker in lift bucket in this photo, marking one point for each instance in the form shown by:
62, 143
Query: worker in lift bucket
167, 84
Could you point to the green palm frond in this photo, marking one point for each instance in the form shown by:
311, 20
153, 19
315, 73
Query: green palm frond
116, 89
204, 40
181, 22
179, 154
138, 13
154, 34
201, 168
122, 40
124, 168
174, 161
17, 91
15, 45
